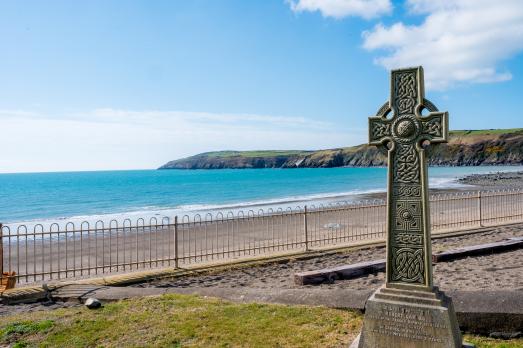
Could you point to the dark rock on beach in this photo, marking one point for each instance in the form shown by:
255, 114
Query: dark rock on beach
500, 180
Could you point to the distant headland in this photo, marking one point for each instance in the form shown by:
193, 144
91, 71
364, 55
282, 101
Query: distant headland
465, 148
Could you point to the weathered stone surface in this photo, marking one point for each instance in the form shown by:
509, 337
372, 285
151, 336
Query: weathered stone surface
484, 312
356, 342
401, 137
409, 318
408, 311
93, 303
73, 292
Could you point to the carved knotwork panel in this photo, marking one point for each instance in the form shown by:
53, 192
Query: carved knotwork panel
405, 92
432, 127
379, 129
407, 212
407, 215
435, 128
406, 164
407, 265
406, 190
406, 240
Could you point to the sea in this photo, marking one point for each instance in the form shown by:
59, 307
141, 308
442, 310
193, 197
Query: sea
29, 198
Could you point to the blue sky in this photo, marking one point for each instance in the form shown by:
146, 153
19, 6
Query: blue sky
98, 85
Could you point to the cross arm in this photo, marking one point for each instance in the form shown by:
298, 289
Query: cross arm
379, 129
435, 127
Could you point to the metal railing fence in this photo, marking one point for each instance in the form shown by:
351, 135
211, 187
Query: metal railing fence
86, 249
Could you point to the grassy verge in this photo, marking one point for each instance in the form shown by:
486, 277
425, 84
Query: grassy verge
190, 321
181, 321
485, 342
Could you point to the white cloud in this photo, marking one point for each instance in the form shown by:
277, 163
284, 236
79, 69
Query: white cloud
343, 8
458, 41
126, 139
205, 118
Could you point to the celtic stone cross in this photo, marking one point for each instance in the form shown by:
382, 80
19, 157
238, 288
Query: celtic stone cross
408, 311
401, 130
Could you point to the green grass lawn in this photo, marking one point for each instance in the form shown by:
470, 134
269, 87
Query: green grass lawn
189, 321
486, 131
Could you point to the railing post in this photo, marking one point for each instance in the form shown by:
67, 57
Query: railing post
306, 229
176, 241
479, 210
1, 251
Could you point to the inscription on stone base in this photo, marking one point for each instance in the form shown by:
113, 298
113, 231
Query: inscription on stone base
409, 322
405, 318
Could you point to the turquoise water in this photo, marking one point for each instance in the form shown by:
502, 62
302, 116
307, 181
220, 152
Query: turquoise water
145, 193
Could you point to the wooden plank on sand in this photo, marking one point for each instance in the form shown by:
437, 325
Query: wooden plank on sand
329, 275
482, 249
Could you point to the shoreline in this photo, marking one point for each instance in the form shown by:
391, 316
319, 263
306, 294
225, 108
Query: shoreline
500, 180
68, 252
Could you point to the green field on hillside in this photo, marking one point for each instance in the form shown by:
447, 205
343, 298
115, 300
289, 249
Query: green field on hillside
261, 153
486, 131
274, 153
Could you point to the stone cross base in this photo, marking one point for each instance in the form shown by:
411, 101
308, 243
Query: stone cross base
409, 318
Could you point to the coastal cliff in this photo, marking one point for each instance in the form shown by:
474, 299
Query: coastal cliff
465, 148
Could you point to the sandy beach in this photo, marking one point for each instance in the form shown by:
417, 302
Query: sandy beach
92, 252
492, 272
503, 271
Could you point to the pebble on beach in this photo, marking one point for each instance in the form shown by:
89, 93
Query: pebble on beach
92, 303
